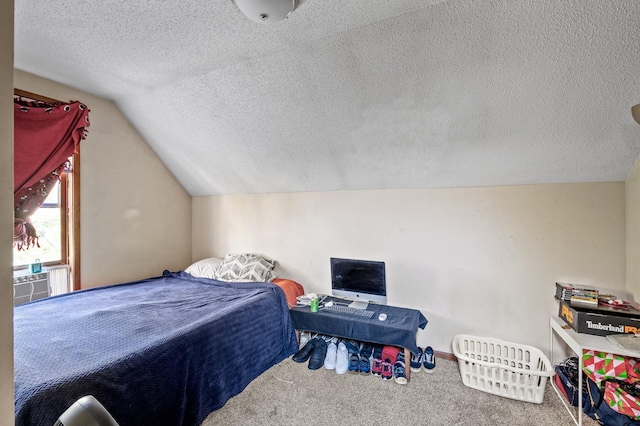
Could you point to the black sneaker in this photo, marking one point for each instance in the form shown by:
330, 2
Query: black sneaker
429, 360
365, 354
354, 355
303, 354
399, 371
318, 354
416, 361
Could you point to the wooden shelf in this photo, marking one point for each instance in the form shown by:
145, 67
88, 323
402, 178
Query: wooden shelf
577, 342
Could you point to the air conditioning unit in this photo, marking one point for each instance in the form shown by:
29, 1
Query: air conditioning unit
52, 281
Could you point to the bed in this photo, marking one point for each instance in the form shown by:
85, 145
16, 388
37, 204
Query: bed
166, 350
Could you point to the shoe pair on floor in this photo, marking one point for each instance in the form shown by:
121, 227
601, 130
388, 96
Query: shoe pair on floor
337, 357
315, 350
359, 356
343, 355
389, 363
424, 359
348, 355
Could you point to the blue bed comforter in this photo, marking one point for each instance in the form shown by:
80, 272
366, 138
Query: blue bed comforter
161, 351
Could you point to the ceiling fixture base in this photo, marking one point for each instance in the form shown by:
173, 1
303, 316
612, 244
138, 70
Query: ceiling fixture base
635, 112
266, 11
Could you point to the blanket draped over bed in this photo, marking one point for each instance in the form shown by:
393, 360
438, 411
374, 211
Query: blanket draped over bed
161, 351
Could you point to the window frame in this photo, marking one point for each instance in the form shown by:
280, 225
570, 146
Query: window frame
69, 208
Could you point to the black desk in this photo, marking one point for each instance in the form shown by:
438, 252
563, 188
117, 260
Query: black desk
399, 329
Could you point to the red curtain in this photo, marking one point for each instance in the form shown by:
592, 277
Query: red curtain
45, 136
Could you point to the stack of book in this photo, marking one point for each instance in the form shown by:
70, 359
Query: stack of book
578, 295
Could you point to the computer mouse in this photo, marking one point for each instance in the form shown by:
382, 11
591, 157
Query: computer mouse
382, 317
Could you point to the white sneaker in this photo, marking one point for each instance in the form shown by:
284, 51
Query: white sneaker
342, 359
330, 358
305, 336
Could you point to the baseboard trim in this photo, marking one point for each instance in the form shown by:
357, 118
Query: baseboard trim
445, 355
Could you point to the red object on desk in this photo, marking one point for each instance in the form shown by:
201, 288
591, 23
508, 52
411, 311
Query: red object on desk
291, 289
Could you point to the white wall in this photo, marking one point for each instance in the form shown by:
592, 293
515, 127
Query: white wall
482, 261
6, 211
135, 216
633, 231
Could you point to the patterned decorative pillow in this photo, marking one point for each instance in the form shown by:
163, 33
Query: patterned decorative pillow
246, 267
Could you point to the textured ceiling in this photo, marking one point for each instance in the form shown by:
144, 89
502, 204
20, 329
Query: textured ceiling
357, 94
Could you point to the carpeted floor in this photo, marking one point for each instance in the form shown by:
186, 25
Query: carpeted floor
291, 394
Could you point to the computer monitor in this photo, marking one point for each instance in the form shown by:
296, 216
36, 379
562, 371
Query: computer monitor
360, 280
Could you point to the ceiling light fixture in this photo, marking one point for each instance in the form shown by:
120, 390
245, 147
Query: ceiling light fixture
266, 11
635, 111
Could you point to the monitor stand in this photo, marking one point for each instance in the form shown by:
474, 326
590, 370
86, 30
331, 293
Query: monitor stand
359, 304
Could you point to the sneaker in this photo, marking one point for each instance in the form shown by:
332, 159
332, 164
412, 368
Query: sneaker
342, 359
399, 371
330, 339
429, 359
387, 370
318, 354
416, 360
365, 355
354, 363
365, 366
305, 336
305, 353
352, 346
376, 363
332, 355
354, 355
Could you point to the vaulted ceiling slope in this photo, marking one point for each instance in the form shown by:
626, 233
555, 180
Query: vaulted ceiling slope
357, 94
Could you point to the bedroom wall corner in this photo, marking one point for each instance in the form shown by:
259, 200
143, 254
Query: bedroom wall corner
135, 215
6, 211
632, 190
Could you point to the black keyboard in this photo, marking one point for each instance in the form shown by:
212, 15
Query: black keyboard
348, 310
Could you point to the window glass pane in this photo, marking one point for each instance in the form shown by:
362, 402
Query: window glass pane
47, 223
54, 195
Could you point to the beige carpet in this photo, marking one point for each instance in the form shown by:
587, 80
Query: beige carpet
291, 394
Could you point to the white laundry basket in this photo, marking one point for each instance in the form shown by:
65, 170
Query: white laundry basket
502, 368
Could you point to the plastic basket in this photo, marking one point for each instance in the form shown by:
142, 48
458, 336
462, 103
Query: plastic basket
502, 368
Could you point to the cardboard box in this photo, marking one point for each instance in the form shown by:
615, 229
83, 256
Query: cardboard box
600, 321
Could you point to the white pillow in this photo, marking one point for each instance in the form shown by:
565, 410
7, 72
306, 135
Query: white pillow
205, 268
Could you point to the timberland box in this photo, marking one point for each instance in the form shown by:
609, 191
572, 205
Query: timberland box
600, 321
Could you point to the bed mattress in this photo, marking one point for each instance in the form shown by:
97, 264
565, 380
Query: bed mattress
165, 350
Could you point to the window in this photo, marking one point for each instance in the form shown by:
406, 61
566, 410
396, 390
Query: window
53, 221
59, 216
